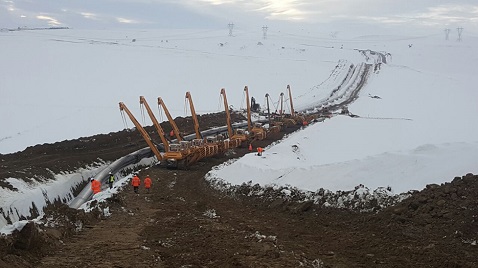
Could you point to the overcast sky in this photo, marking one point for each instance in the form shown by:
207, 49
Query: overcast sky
246, 13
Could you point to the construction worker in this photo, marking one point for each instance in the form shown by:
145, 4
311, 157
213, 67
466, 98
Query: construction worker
259, 151
111, 179
136, 182
95, 186
147, 183
250, 147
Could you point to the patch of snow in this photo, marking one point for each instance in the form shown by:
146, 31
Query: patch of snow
34, 196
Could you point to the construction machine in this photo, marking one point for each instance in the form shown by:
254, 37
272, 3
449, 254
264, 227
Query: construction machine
286, 121
238, 134
257, 131
300, 119
274, 125
176, 155
201, 148
141, 130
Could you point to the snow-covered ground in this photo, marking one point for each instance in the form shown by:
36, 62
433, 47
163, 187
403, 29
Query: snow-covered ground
418, 113
417, 125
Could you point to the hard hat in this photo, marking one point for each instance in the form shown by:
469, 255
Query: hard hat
91, 179
110, 173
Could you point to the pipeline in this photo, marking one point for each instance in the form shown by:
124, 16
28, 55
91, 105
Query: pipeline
86, 194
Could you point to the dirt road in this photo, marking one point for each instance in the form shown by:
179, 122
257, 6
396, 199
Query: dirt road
185, 223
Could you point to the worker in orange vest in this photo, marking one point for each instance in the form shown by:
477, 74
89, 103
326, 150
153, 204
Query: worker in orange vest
250, 147
95, 186
136, 182
147, 183
259, 151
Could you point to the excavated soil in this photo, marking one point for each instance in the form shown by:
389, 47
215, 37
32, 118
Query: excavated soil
185, 222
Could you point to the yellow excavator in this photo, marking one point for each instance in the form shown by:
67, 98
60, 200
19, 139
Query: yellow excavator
142, 131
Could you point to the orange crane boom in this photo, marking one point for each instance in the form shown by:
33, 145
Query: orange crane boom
193, 114
281, 98
156, 124
228, 116
249, 123
170, 119
238, 134
141, 130
292, 113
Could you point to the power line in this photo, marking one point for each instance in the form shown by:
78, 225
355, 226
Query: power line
231, 26
460, 31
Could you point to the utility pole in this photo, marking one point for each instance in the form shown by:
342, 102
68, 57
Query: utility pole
264, 31
447, 33
231, 26
460, 31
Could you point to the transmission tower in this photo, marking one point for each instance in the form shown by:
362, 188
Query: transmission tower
264, 31
447, 33
460, 31
231, 26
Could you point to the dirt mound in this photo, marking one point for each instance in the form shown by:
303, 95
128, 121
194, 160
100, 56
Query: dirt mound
451, 208
38, 238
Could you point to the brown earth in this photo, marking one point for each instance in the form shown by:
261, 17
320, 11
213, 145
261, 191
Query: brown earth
184, 222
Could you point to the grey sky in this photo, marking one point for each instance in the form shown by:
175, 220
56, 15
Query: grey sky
217, 13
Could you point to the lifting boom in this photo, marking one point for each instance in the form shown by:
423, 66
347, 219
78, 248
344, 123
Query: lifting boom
281, 98
291, 104
171, 120
156, 124
268, 108
249, 123
193, 114
141, 130
228, 116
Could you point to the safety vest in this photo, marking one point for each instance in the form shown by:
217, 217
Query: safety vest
96, 186
147, 183
136, 181
111, 178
